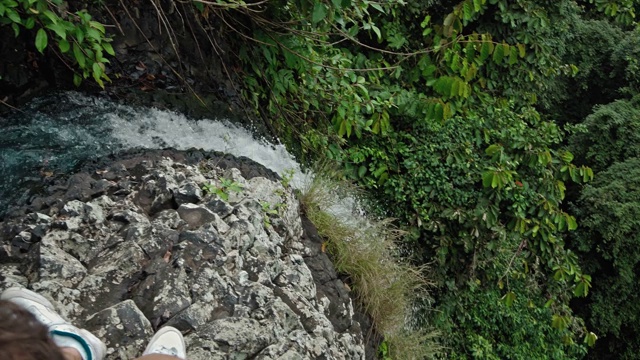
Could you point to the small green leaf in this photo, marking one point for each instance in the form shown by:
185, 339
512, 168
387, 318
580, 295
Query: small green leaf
361, 171
509, 298
108, 48
493, 149
94, 34
64, 46
77, 80
467, 10
13, 15
58, 29
590, 339
79, 55
51, 16
498, 54
559, 322
29, 23
41, 40
487, 178
513, 55
319, 12
97, 25
377, 7
485, 50
16, 29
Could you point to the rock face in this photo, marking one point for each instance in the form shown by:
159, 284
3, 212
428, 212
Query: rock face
139, 245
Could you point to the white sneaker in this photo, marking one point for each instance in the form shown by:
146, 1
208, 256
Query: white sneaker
63, 333
167, 341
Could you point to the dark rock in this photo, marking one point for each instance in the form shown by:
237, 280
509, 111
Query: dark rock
188, 193
220, 207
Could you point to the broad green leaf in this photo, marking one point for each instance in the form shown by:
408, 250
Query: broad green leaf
467, 10
29, 23
58, 29
97, 25
97, 71
567, 156
590, 339
487, 178
470, 51
41, 40
485, 50
493, 149
64, 46
108, 48
377, 7
51, 16
361, 171
79, 55
448, 20
509, 298
559, 322
94, 34
513, 55
319, 12
13, 15
498, 54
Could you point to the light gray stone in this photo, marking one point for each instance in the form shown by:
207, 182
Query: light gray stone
195, 215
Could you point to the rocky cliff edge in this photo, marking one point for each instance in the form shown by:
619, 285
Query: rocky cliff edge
124, 247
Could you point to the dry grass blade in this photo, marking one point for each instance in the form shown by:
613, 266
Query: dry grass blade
364, 250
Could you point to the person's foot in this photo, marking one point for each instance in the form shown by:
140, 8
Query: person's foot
167, 341
63, 333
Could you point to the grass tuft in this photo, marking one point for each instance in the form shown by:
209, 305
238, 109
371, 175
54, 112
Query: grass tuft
365, 250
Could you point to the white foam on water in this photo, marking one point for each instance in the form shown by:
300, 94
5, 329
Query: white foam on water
153, 128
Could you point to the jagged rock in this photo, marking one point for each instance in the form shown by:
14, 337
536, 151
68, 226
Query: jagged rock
188, 193
240, 277
195, 215
123, 328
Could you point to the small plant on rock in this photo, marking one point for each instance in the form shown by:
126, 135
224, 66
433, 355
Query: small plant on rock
223, 189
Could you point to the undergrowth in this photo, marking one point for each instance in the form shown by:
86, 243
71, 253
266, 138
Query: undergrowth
364, 250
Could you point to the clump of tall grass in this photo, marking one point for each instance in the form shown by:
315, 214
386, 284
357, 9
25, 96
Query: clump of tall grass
365, 251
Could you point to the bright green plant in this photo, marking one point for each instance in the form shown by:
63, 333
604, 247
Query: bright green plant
269, 210
223, 189
287, 176
77, 37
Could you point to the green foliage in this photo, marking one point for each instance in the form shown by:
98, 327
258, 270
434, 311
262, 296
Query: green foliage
609, 243
606, 57
78, 38
482, 326
622, 11
223, 189
611, 134
431, 107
